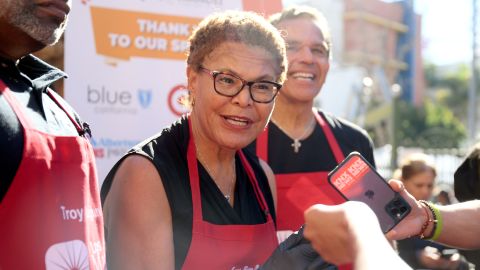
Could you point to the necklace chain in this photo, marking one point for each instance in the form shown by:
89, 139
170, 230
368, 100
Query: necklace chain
296, 141
230, 187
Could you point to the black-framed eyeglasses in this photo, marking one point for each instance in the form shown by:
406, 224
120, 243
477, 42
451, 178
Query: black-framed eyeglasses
230, 85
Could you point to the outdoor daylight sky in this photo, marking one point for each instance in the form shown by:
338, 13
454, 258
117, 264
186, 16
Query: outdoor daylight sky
447, 29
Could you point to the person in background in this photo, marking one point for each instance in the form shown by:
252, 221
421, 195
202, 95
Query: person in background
303, 144
351, 233
418, 175
190, 197
443, 195
50, 212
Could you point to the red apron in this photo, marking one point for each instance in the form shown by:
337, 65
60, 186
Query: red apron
51, 216
228, 247
298, 191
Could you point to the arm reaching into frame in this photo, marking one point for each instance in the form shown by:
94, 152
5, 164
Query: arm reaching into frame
459, 222
350, 232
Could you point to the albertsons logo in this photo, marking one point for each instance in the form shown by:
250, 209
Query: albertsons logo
111, 148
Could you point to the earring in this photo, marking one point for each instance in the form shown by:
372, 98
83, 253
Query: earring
191, 98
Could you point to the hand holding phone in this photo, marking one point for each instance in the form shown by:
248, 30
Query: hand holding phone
355, 179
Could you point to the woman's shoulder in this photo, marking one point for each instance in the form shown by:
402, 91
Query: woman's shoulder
171, 140
165, 150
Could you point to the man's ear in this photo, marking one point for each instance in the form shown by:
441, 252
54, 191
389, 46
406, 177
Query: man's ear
192, 78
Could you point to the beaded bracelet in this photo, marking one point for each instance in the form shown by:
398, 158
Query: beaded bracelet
429, 220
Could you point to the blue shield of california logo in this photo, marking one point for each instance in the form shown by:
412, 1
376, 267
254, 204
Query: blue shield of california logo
144, 97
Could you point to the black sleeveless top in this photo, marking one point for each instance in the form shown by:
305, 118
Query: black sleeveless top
315, 153
168, 152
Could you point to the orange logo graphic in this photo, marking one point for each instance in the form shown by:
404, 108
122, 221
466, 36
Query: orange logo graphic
123, 34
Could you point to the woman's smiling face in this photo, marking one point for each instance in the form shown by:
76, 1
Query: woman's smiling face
231, 122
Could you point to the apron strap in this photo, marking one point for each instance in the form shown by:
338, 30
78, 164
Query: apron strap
81, 130
253, 179
193, 174
337, 151
262, 144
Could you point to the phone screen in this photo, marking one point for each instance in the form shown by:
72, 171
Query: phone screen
357, 180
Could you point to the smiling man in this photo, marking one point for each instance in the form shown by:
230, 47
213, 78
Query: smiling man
302, 144
48, 182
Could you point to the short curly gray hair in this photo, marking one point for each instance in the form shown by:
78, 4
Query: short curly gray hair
238, 26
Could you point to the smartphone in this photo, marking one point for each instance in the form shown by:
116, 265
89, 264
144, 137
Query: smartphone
356, 180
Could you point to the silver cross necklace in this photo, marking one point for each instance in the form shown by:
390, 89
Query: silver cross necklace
296, 144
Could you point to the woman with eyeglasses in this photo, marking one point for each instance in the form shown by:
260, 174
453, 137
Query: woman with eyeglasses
190, 197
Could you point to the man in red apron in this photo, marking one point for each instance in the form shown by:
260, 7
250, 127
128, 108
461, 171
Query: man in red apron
50, 213
302, 145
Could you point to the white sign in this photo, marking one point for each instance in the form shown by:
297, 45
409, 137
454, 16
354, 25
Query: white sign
126, 66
